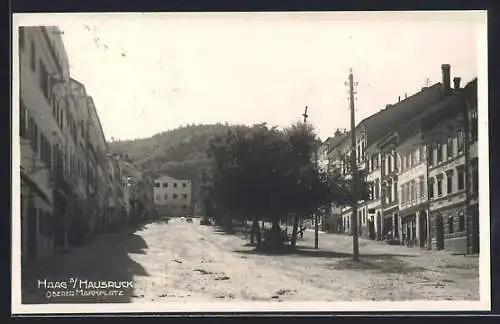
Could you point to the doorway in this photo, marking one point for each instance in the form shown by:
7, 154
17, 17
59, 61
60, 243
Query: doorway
475, 230
32, 233
371, 229
439, 232
423, 229
379, 226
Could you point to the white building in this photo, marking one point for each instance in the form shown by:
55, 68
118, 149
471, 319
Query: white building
172, 197
42, 59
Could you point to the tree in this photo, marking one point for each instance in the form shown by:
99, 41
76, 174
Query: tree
263, 173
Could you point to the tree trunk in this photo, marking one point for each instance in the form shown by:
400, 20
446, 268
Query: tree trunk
258, 233
294, 230
252, 233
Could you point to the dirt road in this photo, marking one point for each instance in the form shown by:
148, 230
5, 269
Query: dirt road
182, 261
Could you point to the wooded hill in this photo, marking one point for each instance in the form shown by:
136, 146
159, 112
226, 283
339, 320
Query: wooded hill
180, 153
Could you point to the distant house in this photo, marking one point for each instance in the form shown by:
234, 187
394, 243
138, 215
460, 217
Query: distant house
172, 197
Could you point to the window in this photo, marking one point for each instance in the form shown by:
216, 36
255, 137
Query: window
23, 117
33, 134
44, 80
430, 186
475, 181
449, 182
61, 124
403, 195
408, 161
175, 196
33, 56
363, 150
184, 185
157, 197
415, 156
175, 185
21, 38
449, 147
473, 124
450, 224
377, 189
395, 191
412, 191
45, 150
440, 186
439, 152
430, 156
461, 179
421, 187
157, 185
185, 196
460, 141
165, 196
165, 185
389, 192
421, 153
461, 222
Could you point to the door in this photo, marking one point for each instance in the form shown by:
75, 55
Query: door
371, 229
423, 229
32, 233
379, 225
475, 231
439, 232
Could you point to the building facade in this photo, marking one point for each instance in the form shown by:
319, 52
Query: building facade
420, 166
42, 59
70, 186
172, 197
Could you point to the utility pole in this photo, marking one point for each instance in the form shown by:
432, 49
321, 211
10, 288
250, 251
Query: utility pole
467, 141
315, 215
354, 167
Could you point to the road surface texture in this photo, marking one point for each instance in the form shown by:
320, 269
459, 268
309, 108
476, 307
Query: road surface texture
182, 261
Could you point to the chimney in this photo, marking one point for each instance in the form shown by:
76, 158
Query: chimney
456, 83
445, 69
399, 98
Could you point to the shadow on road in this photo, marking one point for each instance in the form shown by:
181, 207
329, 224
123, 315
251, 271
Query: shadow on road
105, 259
241, 231
383, 262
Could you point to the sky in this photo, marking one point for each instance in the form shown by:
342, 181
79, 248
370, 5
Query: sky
153, 72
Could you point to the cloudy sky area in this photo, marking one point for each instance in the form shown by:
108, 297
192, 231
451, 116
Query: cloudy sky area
152, 72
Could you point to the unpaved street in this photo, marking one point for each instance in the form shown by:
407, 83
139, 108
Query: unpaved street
182, 261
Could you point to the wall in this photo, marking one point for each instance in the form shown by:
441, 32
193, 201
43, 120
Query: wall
164, 196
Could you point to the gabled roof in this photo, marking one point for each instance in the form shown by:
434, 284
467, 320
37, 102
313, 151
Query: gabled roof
168, 178
434, 114
336, 141
383, 122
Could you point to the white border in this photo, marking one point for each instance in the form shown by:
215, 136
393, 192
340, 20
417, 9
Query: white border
485, 282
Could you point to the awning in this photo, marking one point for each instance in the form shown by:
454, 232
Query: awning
33, 185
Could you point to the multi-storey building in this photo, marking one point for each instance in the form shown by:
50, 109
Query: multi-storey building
374, 181
69, 185
42, 59
172, 197
376, 150
421, 169
328, 160
451, 133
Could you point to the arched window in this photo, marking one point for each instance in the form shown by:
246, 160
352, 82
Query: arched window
450, 224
